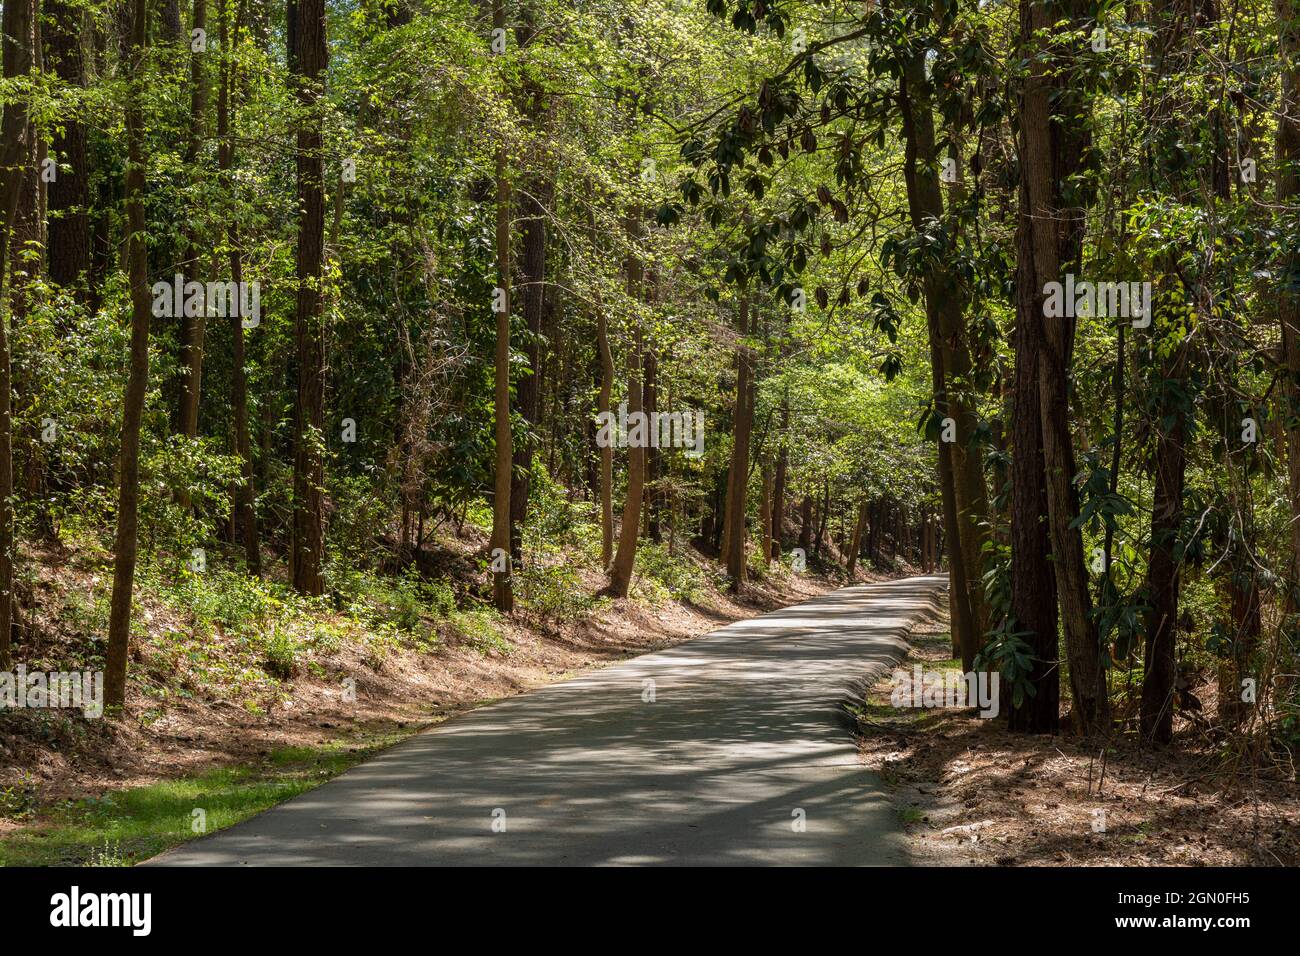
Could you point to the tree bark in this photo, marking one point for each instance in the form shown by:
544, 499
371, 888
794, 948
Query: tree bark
606, 451
245, 504
765, 512
69, 224
1033, 582
855, 543
653, 456
620, 575
18, 60
193, 327
311, 55
961, 480
1288, 193
1050, 148
502, 583
738, 477
125, 540
779, 484
1174, 23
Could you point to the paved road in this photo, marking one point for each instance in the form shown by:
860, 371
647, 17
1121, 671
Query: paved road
742, 742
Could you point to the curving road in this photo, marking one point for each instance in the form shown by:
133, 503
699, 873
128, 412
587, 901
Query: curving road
741, 757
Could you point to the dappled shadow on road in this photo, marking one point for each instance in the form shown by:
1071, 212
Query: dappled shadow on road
724, 750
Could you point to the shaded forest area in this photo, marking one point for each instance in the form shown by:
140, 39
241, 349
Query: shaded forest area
337, 334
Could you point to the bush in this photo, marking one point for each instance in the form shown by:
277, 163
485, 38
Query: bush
555, 591
676, 575
281, 660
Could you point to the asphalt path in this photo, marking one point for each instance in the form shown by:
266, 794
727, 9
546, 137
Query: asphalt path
729, 749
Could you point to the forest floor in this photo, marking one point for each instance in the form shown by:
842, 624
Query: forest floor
970, 793
68, 783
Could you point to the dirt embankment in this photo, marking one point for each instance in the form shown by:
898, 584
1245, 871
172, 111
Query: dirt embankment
347, 694
968, 792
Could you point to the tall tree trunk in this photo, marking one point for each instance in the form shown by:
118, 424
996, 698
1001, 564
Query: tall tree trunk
1050, 150
311, 55
765, 506
502, 583
128, 496
620, 573
855, 543
245, 504
69, 223
823, 510
653, 456
193, 327
534, 200
1244, 602
738, 477
18, 60
607, 450
1033, 582
961, 480
779, 485
1288, 292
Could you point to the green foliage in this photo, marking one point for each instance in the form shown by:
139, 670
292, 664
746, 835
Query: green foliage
663, 576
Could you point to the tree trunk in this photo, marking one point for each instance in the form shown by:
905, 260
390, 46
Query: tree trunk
805, 524
194, 326
653, 456
1243, 599
961, 480
1174, 23
310, 58
823, 510
245, 504
779, 485
738, 479
532, 267
1288, 192
607, 450
620, 574
1049, 153
18, 60
128, 497
765, 512
502, 583
855, 544
69, 224
1033, 583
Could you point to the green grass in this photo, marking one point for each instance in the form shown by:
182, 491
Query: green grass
123, 828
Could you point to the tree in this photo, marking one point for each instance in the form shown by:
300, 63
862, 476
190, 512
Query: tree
1051, 150
620, 572
309, 60
734, 536
194, 326
245, 496
502, 588
128, 497
69, 192
19, 42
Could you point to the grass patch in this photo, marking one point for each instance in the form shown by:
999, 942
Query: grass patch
124, 828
